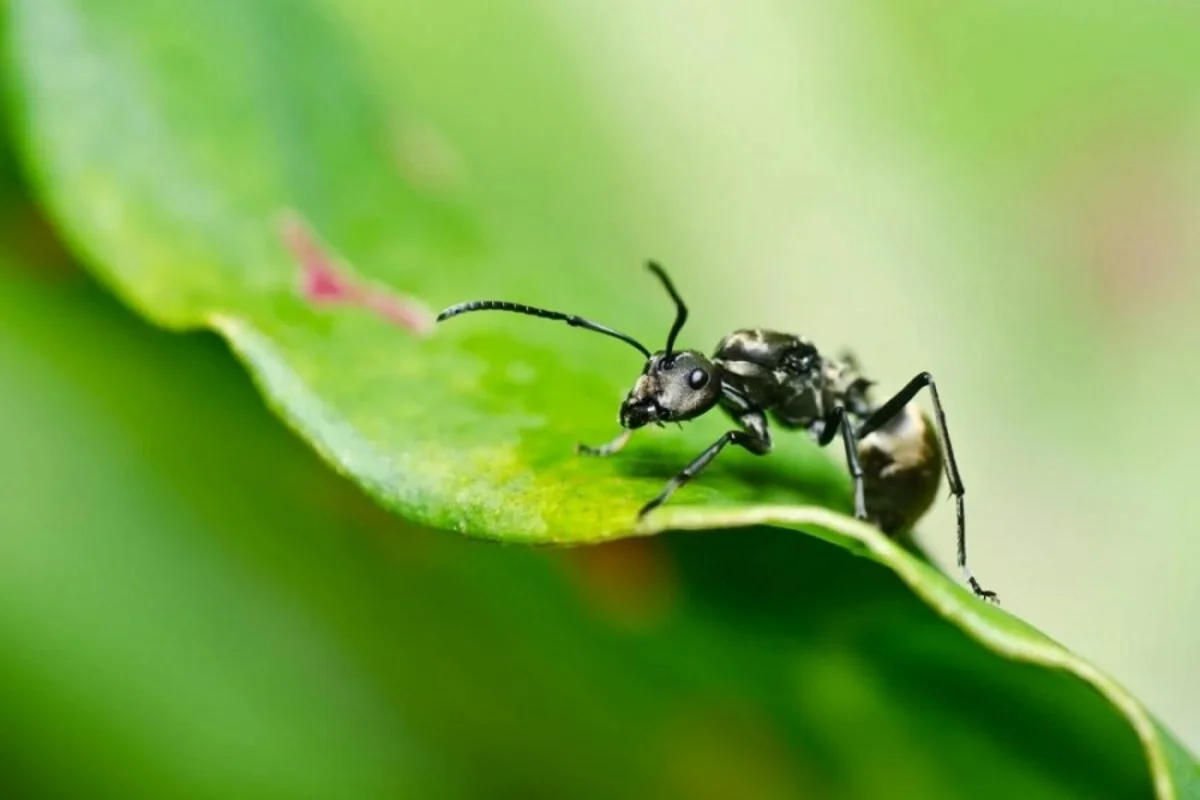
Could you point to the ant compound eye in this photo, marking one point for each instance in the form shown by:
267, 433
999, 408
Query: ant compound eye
697, 379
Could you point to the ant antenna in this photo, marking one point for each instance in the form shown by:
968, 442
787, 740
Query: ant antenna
681, 312
570, 319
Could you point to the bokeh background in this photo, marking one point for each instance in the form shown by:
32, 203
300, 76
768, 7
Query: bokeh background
1000, 193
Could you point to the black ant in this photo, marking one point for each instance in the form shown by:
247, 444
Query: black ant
893, 451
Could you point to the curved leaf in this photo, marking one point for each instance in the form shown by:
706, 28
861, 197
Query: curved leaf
230, 620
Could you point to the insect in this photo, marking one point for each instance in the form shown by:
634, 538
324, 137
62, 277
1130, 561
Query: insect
894, 451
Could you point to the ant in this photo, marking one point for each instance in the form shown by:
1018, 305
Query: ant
894, 453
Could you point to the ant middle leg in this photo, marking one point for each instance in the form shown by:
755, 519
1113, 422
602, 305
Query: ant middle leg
837, 420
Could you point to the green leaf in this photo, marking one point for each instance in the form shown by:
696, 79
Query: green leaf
187, 181
228, 619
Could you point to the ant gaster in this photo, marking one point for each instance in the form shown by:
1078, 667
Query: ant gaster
894, 452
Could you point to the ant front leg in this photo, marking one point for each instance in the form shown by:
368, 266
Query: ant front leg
754, 437
837, 420
888, 411
606, 449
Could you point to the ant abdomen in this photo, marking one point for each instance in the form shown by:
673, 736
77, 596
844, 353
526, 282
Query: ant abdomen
902, 470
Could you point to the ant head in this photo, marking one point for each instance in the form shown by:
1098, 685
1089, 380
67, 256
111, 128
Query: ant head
673, 387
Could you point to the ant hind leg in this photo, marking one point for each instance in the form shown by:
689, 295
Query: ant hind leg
888, 411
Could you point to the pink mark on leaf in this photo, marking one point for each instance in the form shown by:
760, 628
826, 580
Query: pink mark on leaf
325, 282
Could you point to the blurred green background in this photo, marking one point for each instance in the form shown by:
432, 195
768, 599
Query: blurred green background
998, 193
1001, 193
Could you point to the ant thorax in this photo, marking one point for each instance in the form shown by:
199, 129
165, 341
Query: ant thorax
843, 382
829, 383
786, 376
